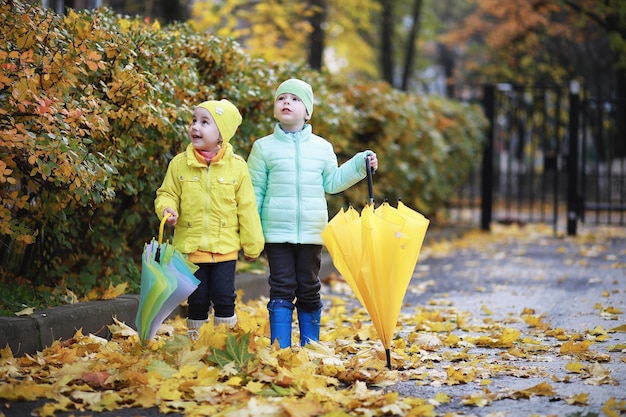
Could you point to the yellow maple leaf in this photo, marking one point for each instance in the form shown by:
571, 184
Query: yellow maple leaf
574, 348
614, 408
543, 389
209, 337
115, 291
621, 328
442, 398
508, 337
578, 399
188, 370
168, 390
459, 375
234, 381
440, 327
515, 352
575, 367
254, 387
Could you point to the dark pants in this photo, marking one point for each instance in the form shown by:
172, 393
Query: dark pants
294, 270
217, 286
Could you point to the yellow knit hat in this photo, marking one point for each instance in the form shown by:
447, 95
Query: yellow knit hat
226, 116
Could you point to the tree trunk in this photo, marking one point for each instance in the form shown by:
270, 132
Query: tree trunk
173, 11
446, 60
147, 9
410, 54
386, 53
316, 47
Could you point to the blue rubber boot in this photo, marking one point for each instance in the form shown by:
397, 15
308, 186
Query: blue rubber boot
281, 313
309, 326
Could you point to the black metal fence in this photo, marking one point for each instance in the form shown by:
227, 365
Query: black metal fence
533, 172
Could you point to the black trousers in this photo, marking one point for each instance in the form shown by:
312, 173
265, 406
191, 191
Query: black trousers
294, 270
217, 286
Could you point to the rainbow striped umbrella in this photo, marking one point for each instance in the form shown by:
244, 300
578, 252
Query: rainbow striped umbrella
166, 281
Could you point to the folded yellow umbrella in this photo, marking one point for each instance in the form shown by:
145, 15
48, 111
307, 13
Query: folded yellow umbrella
377, 253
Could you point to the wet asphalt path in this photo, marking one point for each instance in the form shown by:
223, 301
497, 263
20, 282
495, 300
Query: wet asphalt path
565, 280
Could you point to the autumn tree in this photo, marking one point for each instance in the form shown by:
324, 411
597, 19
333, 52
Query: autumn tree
546, 42
606, 22
324, 34
541, 41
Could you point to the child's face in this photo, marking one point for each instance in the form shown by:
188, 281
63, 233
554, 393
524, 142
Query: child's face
290, 111
203, 132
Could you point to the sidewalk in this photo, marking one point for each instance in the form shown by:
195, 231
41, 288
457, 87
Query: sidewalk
30, 334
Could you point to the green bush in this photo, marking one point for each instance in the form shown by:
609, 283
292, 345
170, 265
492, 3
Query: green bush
94, 105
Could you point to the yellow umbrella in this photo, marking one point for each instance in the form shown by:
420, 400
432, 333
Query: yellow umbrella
342, 237
377, 253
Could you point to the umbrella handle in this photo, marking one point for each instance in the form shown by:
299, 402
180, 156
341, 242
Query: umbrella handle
157, 255
162, 226
370, 179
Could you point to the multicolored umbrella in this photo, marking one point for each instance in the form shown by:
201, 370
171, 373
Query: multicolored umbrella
166, 281
376, 253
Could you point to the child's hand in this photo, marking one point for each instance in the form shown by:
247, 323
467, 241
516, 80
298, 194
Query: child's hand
373, 161
173, 216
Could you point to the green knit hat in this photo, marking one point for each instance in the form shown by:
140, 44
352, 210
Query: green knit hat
298, 88
226, 116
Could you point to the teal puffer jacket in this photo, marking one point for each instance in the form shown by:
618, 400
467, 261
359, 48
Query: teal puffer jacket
291, 174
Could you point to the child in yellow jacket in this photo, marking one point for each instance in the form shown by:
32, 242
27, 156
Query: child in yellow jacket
208, 193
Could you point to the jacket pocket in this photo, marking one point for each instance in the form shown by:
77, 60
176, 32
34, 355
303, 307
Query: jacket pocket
224, 193
192, 200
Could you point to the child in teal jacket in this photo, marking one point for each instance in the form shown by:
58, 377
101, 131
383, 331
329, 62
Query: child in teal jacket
292, 170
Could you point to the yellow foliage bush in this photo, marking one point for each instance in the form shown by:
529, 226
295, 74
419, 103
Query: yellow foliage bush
94, 105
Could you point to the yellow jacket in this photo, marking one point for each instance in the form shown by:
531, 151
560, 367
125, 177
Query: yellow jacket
216, 205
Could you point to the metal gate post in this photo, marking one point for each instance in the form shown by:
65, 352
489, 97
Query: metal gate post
572, 160
487, 163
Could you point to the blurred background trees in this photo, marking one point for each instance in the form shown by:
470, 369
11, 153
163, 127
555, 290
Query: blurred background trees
444, 47
432, 46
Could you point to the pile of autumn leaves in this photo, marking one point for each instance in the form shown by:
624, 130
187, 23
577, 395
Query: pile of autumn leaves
239, 373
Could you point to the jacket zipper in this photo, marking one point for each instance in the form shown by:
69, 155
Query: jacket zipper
205, 236
298, 199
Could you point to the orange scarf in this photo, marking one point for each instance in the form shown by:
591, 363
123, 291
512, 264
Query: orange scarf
209, 156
